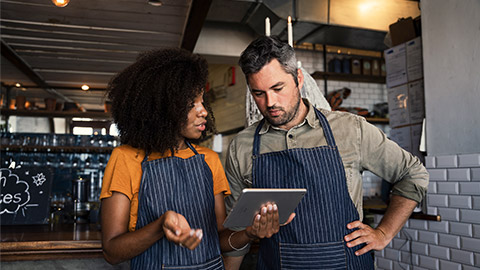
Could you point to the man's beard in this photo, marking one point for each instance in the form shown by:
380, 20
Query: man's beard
286, 117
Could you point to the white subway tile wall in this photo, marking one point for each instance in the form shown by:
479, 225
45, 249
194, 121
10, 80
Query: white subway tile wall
454, 242
363, 95
371, 184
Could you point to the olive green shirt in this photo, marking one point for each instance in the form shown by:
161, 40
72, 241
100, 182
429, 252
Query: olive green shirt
362, 146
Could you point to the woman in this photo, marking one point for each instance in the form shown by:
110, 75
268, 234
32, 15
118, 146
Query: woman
163, 197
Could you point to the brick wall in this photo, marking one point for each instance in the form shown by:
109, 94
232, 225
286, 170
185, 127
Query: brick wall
453, 243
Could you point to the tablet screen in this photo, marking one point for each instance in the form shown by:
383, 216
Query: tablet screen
252, 199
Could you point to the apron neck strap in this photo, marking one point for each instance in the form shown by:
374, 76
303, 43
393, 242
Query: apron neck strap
191, 147
327, 131
146, 157
256, 138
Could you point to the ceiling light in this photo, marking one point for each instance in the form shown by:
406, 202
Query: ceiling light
18, 85
156, 3
85, 87
61, 3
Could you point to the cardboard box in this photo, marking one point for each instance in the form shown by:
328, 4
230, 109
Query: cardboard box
416, 101
402, 137
406, 104
416, 135
402, 31
398, 106
414, 59
396, 65
409, 139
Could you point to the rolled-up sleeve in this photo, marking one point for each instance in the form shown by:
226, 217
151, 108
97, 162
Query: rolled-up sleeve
386, 159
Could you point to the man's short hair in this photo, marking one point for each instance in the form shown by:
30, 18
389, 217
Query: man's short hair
263, 50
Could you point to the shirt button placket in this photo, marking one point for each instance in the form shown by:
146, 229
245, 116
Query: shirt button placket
290, 141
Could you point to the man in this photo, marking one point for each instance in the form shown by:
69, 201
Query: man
298, 146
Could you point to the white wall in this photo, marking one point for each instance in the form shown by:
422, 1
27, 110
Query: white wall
229, 104
223, 41
451, 51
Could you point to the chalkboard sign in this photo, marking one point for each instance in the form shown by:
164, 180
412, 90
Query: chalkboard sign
25, 195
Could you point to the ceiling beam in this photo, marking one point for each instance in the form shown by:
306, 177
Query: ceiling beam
26, 69
196, 18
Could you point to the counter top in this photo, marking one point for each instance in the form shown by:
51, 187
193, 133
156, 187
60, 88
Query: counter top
46, 242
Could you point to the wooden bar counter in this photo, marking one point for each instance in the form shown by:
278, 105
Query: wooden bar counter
46, 242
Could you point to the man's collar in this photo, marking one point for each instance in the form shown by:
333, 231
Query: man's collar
311, 115
309, 118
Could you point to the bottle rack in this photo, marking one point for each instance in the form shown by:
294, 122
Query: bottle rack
68, 156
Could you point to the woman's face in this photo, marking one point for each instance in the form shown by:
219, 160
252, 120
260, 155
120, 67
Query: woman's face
196, 122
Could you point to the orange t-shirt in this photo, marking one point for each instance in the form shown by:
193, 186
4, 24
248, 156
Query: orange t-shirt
124, 173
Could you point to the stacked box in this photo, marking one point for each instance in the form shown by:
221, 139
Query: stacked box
406, 102
408, 137
396, 65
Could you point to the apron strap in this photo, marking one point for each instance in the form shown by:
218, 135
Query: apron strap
146, 157
256, 138
327, 131
191, 147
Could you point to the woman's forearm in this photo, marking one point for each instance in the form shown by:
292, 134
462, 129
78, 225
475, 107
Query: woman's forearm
130, 244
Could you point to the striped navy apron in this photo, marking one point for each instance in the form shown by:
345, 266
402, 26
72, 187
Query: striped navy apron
315, 237
186, 187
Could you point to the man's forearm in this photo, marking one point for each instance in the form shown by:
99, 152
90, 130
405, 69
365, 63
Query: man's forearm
398, 211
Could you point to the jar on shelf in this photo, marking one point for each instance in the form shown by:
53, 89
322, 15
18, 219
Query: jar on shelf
366, 67
50, 104
20, 101
376, 67
335, 65
356, 66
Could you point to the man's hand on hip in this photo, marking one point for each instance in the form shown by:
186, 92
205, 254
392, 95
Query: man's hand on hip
373, 238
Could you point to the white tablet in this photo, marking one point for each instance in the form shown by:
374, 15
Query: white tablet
252, 199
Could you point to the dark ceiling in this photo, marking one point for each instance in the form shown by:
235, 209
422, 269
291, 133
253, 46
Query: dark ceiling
52, 51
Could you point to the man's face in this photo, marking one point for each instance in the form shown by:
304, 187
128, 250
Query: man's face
276, 95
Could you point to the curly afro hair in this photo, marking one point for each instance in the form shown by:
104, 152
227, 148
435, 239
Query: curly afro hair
152, 97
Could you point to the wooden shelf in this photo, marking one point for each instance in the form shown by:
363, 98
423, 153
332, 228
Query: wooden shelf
60, 114
412, 216
55, 149
377, 120
347, 77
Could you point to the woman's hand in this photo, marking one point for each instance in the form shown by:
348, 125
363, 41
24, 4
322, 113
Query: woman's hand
177, 230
